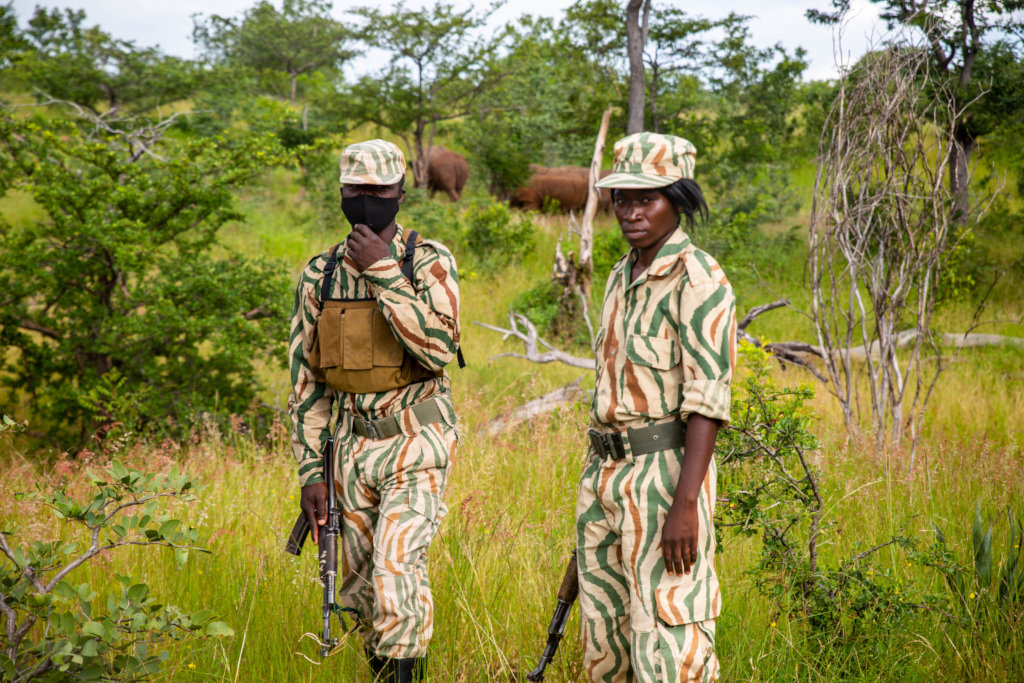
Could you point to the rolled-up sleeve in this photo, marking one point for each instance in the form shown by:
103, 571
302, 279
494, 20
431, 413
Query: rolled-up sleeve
708, 336
426, 322
310, 402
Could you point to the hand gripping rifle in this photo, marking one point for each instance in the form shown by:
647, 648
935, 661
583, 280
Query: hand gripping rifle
328, 557
566, 596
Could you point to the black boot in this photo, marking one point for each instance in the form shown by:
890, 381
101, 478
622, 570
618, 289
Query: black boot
377, 665
404, 670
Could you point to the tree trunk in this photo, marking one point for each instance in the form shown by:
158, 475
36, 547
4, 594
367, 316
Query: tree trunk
419, 165
635, 38
654, 99
959, 173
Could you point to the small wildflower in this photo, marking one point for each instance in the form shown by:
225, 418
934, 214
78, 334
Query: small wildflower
971, 596
191, 665
773, 624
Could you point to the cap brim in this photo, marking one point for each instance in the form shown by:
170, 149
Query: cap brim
634, 181
370, 180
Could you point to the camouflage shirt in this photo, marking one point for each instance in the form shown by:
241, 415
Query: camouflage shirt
667, 342
425, 320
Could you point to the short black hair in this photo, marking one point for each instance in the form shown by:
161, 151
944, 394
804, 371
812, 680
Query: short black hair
684, 194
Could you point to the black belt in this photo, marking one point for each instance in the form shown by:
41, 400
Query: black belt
660, 437
386, 427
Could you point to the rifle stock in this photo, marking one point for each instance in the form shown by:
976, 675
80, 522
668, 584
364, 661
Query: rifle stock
297, 538
567, 594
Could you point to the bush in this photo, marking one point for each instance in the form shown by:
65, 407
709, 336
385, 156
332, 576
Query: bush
58, 630
771, 489
124, 272
493, 238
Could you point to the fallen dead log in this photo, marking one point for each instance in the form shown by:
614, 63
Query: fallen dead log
544, 404
793, 352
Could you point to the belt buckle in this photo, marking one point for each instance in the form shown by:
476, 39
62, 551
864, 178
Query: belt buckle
371, 431
616, 447
607, 445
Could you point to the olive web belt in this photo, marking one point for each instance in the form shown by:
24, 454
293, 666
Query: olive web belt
660, 437
426, 413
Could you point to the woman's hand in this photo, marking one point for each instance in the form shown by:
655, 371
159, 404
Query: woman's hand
679, 537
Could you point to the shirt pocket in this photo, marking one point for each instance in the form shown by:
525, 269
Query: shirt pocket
656, 353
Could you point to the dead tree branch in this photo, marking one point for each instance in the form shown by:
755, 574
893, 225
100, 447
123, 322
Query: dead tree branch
525, 331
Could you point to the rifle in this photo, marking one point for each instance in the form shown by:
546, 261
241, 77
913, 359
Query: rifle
567, 594
328, 541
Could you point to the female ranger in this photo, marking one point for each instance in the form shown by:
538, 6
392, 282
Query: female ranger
665, 351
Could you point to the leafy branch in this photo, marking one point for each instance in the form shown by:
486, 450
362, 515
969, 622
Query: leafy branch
52, 625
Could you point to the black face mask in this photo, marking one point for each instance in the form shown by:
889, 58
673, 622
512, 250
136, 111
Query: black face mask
375, 213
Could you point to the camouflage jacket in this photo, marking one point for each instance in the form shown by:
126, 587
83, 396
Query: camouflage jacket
424, 317
667, 342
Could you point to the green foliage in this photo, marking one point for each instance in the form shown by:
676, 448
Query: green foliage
439, 64
485, 235
609, 246
775, 492
441, 221
123, 273
495, 237
63, 59
58, 630
566, 91
986, 581
540, 304
275, 47
9, 426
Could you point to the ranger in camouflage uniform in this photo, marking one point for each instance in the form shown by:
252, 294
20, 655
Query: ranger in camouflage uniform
665, 351
372, 343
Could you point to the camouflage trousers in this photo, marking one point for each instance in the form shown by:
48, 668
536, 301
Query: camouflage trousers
639, 622
390, 491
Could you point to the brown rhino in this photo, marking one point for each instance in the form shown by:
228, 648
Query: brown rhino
446, 172
565, 184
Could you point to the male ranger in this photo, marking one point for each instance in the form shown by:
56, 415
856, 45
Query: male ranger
375, 321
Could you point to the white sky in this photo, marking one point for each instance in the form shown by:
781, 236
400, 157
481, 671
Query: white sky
168, 23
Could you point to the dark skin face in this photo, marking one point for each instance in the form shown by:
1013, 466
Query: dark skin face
364, 246
647, 219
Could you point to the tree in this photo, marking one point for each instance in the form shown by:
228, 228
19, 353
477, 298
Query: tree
114, 305
543, 110
437, 72
958, 34
65, 60
636, 39
296, 40
882, 231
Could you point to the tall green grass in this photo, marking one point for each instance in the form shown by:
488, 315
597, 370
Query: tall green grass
498, 560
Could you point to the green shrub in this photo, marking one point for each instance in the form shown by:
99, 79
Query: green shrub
127, 258
60, 631
772, 490
493, 238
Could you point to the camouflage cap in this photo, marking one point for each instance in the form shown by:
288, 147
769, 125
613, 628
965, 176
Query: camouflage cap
374, 162
650, 160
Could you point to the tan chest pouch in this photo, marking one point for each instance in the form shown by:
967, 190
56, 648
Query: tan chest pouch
356, 352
